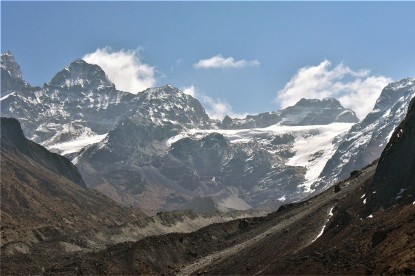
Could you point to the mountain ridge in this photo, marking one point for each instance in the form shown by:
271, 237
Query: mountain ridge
366, 140
122, 142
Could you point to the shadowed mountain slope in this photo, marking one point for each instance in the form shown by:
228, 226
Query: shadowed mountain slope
43, 197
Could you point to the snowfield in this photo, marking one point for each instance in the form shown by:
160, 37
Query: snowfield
76, 145
314, 145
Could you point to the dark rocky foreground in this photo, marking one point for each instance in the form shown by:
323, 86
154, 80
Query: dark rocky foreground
240, 246
282, 242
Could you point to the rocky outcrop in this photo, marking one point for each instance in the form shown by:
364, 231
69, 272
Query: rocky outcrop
394, 180
11, 75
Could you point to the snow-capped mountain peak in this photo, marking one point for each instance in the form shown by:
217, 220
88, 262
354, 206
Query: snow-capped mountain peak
11, 75
9, 64
82, 74
304, 112
159, 149
167, 104
393, 91
326, 102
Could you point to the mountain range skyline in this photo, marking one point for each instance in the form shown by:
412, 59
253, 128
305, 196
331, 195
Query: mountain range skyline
217, 109
129, 146
237, 58
61, 78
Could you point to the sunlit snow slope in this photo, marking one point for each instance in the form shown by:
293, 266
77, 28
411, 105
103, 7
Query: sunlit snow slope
312, 147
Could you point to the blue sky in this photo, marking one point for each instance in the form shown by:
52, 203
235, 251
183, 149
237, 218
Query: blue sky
236, 57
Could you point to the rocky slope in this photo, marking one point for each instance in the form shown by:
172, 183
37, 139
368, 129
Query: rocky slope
44, 198
371, 231
244, 246
46, 210
393, 182
14, 142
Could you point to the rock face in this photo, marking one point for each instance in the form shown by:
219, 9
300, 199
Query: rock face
394, 180
43, 198
80, 74
11, 76
366, 140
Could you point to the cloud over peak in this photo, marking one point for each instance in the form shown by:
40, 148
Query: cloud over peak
357, 90
219, 61
215, 108
124, 68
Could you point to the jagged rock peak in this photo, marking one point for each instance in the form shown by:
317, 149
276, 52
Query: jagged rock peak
168, 103
9, 64
326, 102
403, 83
393, 91
82, 74
165, 89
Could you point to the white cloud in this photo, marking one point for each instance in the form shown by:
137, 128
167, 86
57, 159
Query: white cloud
191, 90
124, 68
215, 108
357, 90
219, 61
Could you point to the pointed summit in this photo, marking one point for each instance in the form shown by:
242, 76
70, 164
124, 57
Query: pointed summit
11, 75
82, 74
168, 104
9, 64
393, 91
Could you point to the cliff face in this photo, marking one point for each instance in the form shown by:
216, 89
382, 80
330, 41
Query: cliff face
394, 180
